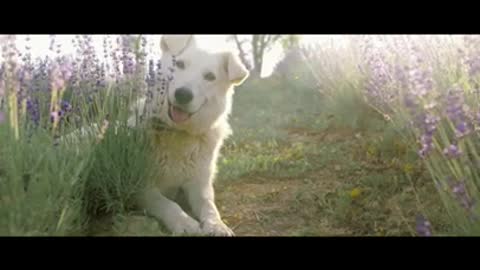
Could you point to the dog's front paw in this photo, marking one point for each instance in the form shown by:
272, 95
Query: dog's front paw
216, 228
186, 227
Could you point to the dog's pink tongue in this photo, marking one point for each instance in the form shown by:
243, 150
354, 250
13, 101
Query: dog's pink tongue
178, 115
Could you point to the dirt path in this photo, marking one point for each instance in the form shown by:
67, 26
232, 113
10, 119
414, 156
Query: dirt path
264, 205
287, 206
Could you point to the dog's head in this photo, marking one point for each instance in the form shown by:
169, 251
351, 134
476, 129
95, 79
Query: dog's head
200, 93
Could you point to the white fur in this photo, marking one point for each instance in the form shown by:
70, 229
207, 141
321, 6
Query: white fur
187, 152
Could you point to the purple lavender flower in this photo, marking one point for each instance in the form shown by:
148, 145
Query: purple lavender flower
431, 122
460, 193
382, 76
141, 55
61, 73
86, 61
419, 91
102, 79
427, 145
420, 82
9, 54
423, 226
66, 106
452, 151
427, 125
24, 80
105, 47
66, 70
55, 116
151, 74
471, 57
127, 43
462, 129
57, 82
473, 65
456, 113
33, 110
400, 76
115, 60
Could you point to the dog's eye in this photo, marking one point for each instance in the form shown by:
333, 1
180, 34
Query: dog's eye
209, 76
180, 64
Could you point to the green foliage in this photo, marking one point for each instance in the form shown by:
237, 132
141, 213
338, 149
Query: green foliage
38, 185
117, 170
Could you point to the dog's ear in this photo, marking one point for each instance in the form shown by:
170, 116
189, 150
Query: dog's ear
236, 71
176, 44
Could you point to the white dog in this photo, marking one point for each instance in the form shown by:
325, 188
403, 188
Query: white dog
194, 119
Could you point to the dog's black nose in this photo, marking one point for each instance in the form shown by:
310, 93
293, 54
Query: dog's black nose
183, 95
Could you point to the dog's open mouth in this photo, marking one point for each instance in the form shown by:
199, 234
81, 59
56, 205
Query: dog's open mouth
178, 115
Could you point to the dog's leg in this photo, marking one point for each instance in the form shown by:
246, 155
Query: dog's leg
169, 212
201, 199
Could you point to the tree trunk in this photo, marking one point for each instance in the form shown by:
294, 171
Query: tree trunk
257, 41
242, 53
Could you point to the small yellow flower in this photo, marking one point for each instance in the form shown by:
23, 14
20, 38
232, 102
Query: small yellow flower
371, 150
355, 193
408, 168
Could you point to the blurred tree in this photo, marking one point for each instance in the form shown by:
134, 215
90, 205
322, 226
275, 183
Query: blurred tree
290, 41
259, 45
291, 66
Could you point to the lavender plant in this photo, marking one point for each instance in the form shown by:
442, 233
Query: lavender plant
48, 187
427, 89
433, 106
